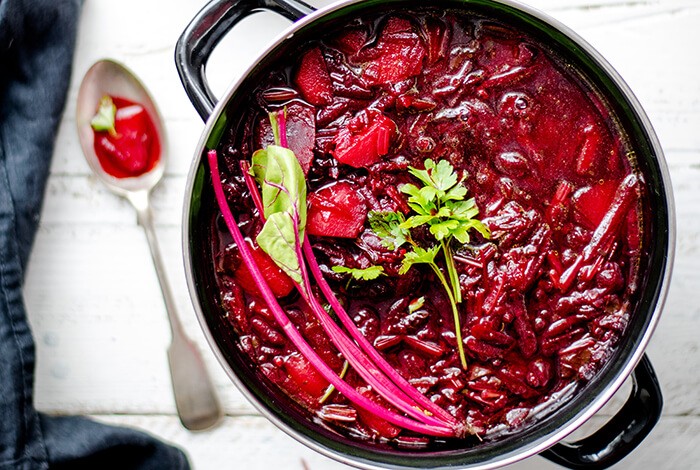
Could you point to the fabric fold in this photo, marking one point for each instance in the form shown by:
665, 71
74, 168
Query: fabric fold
37, 39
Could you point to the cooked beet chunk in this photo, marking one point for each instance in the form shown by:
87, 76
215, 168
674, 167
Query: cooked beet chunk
397, 55
313, 79
362, 144
336, 211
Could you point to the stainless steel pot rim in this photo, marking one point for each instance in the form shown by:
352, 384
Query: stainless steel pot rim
538, 445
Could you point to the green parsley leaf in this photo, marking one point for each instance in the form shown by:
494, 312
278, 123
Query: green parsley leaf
440, 206
105, 118
388, 227
361, 274
418, 256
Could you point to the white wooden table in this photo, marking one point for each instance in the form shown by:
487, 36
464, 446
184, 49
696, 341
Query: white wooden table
92, 294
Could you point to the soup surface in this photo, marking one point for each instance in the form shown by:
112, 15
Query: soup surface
546, 283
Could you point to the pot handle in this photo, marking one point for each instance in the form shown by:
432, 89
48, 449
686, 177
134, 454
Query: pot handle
205, 31
619, 436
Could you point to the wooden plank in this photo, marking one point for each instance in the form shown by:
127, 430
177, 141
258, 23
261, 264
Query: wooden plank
93, 298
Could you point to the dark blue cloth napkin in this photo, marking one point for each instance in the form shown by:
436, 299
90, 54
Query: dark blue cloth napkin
37, 38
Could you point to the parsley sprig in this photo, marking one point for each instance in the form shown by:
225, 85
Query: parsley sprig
440, 204
360, 274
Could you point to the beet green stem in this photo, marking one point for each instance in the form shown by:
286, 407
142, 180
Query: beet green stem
294, 335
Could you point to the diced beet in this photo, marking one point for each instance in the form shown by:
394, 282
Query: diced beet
130, 148
304, 375
527, 341
266, 332
387, 341
280, 283
234, 305
539, 373
351, 40
437, 39
301, 133
379, 425
562, 325
589, 150
398, 54
515, 384
313, 79
426, 347
556, 212
336, 210
363, 144
484, 330
592, 202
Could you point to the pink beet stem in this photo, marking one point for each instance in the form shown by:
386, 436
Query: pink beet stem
398, 394
250, 182
294, 335
282, 121
345, 319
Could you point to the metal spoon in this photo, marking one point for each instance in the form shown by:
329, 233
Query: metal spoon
195, 397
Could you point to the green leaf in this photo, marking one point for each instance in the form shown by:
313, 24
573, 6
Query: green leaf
278, 239
443, 176
423, 175
418, 256
105, 117
416, 221
442, 230
388, 227
361, 274
421, 200
277, 171
457, 193
465, 210
462, 234
275, 127
482, 229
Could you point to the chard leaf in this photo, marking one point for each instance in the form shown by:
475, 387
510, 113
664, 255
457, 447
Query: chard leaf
279, 174
277, 171
361, 274
275, 127
278, 240
105, 117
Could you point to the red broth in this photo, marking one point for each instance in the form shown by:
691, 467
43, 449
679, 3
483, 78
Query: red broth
545, 300
134, 148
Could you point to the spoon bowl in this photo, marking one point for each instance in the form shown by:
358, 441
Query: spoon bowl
107, 77
195, 397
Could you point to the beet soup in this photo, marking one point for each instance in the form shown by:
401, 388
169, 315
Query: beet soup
472, 205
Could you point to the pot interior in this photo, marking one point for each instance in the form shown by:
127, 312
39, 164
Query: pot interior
563, 412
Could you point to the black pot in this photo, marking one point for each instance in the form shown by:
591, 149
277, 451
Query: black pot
607, 445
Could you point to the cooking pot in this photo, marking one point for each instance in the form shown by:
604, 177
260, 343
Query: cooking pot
606, 446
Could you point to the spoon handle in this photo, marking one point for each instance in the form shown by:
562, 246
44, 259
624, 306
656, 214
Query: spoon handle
195, 396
